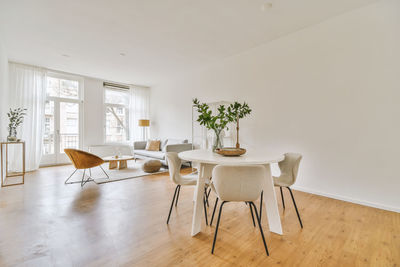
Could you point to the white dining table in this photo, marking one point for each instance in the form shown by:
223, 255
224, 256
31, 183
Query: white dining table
207, 160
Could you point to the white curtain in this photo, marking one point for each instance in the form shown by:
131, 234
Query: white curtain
28, 90
139, 109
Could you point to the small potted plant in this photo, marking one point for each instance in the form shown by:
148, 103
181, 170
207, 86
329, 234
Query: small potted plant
16, 118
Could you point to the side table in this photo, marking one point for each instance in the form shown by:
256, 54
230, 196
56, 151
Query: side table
4, 163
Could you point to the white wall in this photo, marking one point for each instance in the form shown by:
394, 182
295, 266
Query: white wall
330, 91
3, 89
93, 112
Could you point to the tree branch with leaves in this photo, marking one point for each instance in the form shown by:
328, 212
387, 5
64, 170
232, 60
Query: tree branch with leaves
238, 111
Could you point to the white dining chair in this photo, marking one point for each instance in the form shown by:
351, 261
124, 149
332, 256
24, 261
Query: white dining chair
174, 166
238, 184
289, 170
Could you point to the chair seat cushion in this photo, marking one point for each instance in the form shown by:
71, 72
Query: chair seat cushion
188, 180
193, 179
281, 181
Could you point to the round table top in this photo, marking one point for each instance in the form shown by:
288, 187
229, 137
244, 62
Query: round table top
207, 156
114, 158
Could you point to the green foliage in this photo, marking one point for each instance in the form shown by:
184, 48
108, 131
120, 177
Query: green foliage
16, 118
218, 122
238, 111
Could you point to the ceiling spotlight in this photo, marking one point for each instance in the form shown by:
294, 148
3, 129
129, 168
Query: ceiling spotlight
266, 5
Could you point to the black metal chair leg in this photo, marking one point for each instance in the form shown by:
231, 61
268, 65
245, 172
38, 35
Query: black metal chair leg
215, 207
295, 206
177, 196
283, 200
172, 203
252, 216
261, 203
259, 226
216, 229
205, 209
70, 176
206, 196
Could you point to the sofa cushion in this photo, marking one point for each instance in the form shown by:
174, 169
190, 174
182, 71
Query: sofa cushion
173, 142
151, 154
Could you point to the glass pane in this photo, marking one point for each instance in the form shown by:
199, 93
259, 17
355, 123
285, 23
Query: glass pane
53, 86
116, 97
69, 125
69, 89
48, 138
116, 124
62, 88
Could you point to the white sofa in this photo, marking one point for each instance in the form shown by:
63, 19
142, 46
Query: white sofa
167, 145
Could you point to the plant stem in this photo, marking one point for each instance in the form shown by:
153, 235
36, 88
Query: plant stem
237, 132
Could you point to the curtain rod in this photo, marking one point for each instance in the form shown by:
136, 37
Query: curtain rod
69, 73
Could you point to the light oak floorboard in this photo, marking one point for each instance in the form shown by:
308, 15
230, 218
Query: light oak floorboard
47, 223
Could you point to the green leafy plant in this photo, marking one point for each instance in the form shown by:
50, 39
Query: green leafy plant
238, 111
219, 121
16, 118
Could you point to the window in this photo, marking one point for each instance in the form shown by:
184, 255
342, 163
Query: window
62, 88
62, 116
116, 105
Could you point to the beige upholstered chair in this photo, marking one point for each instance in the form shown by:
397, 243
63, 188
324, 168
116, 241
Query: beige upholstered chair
174, 166
83, 160
238, 184
289, 169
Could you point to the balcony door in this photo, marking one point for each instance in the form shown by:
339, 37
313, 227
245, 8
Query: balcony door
63, 118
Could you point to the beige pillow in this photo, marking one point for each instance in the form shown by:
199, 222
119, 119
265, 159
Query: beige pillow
153, 145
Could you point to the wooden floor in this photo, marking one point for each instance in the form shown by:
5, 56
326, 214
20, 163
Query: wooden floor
47, 223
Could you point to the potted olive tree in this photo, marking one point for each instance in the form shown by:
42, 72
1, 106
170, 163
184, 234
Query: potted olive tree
236, 112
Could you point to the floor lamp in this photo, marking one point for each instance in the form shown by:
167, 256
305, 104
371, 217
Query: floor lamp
144, 123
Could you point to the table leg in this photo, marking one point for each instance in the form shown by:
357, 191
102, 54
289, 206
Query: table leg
270, 203
112, 164
198, 211
198, 222
123, 164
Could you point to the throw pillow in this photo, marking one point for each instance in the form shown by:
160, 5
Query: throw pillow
153, 145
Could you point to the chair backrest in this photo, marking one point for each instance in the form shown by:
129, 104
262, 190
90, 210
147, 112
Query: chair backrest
290, 167
174, 167
82, 159
238, 183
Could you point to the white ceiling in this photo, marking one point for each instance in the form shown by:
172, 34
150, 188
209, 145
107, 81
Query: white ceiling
161, 39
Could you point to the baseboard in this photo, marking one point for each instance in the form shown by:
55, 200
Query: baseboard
347, 199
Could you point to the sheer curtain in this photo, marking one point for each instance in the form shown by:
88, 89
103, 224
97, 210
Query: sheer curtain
28, 90
139, 109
